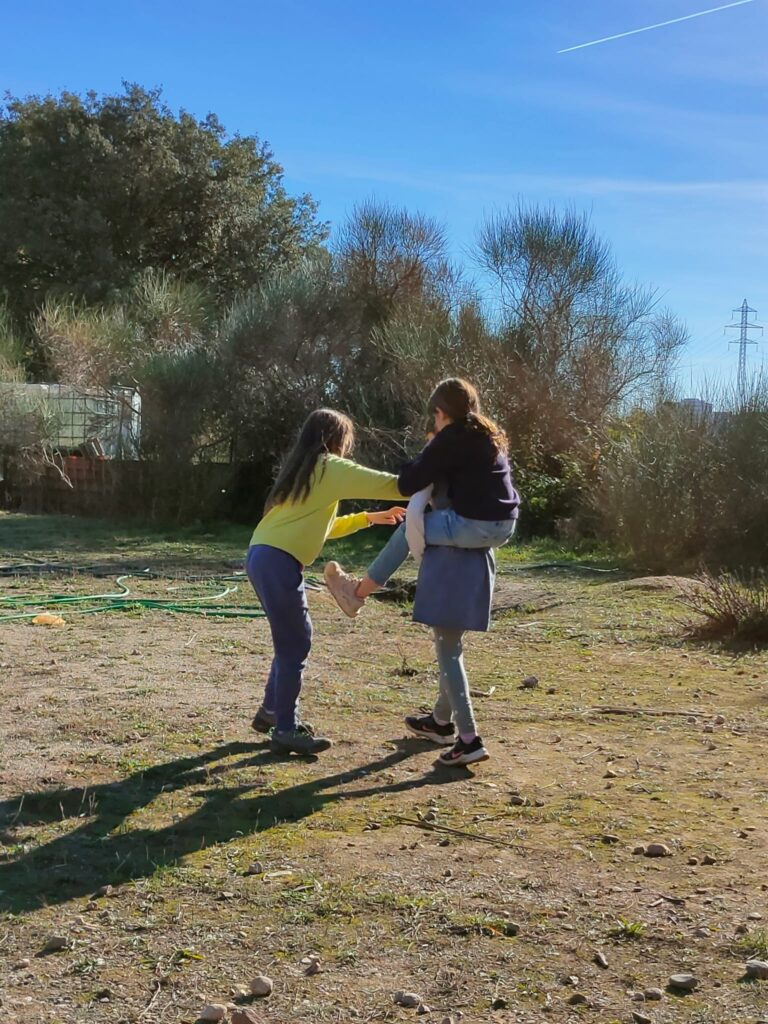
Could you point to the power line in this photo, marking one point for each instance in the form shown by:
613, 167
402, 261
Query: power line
744, 340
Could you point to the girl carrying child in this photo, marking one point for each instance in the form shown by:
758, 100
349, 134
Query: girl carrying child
300, 516
466, 457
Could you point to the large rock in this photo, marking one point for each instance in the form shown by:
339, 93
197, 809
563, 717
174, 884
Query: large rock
757, 969
262, 986
213, 1012
683, 982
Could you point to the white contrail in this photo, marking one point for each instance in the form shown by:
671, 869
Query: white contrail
661, 24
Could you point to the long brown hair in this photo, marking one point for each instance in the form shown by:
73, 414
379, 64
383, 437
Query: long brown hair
325, 432
459, 400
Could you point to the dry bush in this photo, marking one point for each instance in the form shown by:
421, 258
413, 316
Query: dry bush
678, 487
731, 607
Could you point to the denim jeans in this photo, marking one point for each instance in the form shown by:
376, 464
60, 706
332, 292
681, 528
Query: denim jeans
443, 527
453, 700
278, 580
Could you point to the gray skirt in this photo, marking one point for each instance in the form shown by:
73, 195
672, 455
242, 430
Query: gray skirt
455, 588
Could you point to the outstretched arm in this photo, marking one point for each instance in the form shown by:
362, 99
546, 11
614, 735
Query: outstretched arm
349, 480
343, 526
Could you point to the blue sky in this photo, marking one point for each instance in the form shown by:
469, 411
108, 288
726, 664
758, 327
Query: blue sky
458, 108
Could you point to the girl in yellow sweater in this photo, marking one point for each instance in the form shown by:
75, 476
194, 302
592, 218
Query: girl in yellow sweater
300, 516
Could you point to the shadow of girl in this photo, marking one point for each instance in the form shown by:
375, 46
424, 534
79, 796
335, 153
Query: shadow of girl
101, 851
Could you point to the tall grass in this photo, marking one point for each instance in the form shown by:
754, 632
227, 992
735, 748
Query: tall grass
680, 487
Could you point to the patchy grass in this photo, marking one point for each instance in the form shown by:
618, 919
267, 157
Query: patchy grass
126, 761
69, 538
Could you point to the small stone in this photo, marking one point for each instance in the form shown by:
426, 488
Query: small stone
740, 929
240, 992
104, 890
499, 1003
757, 969
653, 995
638, 851
56, 944
601, 960
530, 682
423, 1009
708, 860
611, 774
408, 999
709, 728
257, 868
21, 965
569, 979
693, 861
641, 1018
578, 999
244, 1015
683, 982
213, 1011
448, 1020
702, 933
657, 850
444, 842
609, 839
511, 929
719, 719
261, 986
518, 801
313, 967
638, 997
754, 916
104, 995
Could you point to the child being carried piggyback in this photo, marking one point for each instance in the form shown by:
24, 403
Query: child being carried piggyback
467, 460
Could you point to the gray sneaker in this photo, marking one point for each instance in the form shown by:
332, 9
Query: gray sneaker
298, 741
343, 588
263, 721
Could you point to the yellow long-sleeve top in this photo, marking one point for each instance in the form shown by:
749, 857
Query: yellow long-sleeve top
302, 527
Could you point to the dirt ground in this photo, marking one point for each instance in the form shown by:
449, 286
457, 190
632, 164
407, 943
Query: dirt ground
126, 760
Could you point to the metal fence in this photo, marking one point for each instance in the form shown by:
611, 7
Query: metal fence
104, 423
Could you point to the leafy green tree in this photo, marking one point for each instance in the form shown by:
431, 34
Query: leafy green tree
94, 189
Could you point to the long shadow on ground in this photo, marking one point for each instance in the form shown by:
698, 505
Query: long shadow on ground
99, 852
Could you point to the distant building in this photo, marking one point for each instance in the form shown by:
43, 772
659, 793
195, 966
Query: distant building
697, 406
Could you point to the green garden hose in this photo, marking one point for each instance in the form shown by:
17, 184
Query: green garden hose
124, 601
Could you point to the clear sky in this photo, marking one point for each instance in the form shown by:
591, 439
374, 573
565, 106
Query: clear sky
459, 107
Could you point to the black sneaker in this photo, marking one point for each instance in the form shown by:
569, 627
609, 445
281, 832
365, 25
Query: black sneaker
300, 740
426, 728
465, 753
263, 721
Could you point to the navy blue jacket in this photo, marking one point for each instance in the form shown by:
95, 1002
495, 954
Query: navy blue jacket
478, 478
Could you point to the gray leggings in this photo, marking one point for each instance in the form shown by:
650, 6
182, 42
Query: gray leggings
453, 701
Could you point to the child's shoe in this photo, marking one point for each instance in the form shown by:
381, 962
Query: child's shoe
300, 740
465, 753
343, 587
263, 721
426, 728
